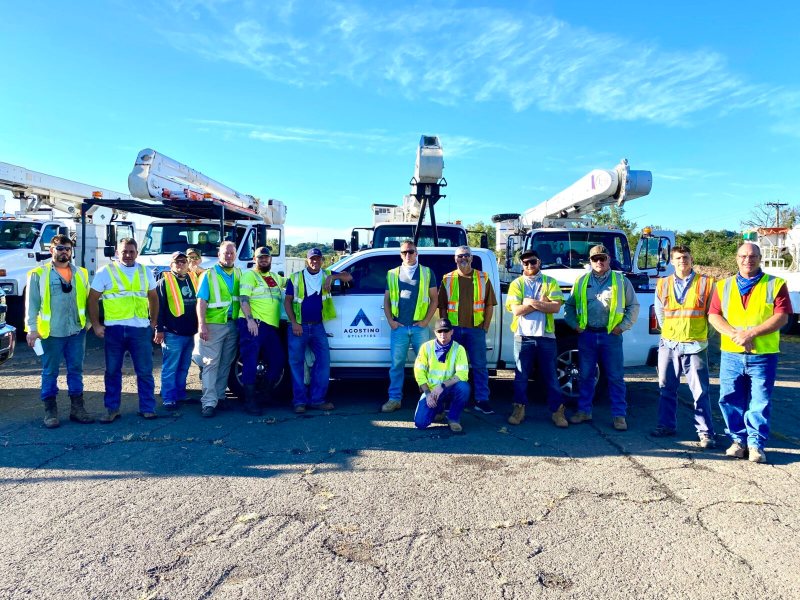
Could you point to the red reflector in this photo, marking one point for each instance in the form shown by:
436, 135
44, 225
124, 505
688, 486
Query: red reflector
653, 322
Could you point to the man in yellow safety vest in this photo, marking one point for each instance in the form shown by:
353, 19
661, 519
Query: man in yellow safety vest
681, 305
748, 310
56, 317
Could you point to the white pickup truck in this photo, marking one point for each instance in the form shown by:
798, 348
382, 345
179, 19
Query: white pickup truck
359, 335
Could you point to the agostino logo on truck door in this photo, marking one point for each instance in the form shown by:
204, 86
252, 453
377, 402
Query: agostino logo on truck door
361, 325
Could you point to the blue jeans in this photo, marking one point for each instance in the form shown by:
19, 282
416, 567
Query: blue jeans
268, 343
671, 364
314, 337
399, 341
745, 389
137, 342
541, 352
474, 341
455, 396
72, 348
176, 359
604, 349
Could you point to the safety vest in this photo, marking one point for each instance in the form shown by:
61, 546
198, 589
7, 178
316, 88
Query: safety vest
480, 281
428, 369
126, 299
423, 294
299, 284
220, 298
516, 294
174, 296
81, 293
616, 311
685, 322
760, 307
265, 301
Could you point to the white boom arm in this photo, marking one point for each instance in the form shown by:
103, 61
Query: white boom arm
592, 192
41, 190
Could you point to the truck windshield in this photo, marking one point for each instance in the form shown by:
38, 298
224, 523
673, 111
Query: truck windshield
570, 249
166, 238
16, 234
391, 236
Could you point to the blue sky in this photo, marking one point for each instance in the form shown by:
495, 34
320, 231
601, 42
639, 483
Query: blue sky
321, 104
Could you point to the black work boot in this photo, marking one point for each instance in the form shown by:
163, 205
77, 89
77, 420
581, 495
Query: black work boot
251, 406
76, 412
50, 413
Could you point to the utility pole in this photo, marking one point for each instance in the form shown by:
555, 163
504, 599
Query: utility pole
777, 206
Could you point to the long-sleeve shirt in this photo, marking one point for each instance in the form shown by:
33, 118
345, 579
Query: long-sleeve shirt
64, 320
679, 289
598, 301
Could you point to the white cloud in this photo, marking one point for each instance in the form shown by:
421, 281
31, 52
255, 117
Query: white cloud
460, 54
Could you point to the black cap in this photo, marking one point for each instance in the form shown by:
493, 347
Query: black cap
527, 254
443, 325
176, 255
314, 252
263, 251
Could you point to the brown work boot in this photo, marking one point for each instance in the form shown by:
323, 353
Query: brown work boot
77, 412
580, 417
559, 420
620, 424
51, 413
517, 414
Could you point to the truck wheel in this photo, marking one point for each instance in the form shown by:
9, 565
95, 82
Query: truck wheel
790, 325
236, 387
568, 370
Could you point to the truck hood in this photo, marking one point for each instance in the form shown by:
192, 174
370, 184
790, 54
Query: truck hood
17, 262
565, 277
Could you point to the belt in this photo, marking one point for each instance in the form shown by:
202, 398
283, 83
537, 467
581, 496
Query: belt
311, 323
528, 337
597, 329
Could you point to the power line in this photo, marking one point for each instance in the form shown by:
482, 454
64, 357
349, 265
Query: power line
777, 206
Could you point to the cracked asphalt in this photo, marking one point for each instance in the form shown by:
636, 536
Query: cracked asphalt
357, 504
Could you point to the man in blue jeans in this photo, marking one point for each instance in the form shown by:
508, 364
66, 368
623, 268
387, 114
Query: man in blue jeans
601, 307
533, 299
56, 314
467, 300
130, 307
409, 304
308, 303
177, 325
748, 310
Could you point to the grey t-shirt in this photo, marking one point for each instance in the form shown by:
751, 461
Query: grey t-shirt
409, 291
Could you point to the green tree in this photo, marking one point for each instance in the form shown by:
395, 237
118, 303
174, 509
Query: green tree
712, 248
474, 239
613, 217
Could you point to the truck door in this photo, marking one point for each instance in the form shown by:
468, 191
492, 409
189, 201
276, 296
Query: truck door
652, 255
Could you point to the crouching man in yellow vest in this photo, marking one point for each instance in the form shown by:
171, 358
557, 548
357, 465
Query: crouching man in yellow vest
442, 373
748, 310
130, 309
56, 314
217, 339
681, 304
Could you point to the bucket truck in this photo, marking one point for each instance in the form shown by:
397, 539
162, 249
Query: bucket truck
40, 207
191, 210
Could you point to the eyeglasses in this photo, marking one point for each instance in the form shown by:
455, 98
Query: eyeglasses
62, 248
599, 258
194, 257
66, 287
181, 261
750, 256
463, 255
531, 262
408, 251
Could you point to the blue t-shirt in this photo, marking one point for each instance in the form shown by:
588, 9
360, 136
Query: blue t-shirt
204, 293
311, 307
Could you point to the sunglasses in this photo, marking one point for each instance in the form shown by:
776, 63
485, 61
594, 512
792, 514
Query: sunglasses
181, 261
531, 262
463, 255
62, 248
599, 258
194, 257
408, 251
66, 287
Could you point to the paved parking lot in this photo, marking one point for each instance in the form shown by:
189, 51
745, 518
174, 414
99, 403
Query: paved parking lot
356, 504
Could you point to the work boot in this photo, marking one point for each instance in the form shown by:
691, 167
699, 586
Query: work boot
517, 414
77, 412
51, 413
559, 420
251, 406
390, 406
736, 450
580, 417
756, 455
620, 424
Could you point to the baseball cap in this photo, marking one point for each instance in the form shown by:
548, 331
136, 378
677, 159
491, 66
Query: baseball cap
528, 254
596, 250
443, 325
178, 254
314, 252
263, 251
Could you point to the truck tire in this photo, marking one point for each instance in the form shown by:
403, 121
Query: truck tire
280, 393
568, 368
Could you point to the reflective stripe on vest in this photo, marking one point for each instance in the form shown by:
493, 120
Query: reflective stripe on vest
265, 302
220, 298
423, 293
479, 285
550, 289
616, 309
126, 299
685, 322
760, 307
437, 372
174, 295
299, 284
45, 313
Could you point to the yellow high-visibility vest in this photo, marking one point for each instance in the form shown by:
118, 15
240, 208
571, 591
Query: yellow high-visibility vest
616, 311
126, 299
516, 294
220, 298
265, 301
423, 294
299, 285
760, 307
428, 369
480, 281
685, 322
45, 314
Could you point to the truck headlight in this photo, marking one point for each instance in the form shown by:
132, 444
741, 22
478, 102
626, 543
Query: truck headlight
9, 287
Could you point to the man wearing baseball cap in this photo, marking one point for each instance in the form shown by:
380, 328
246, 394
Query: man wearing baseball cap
600, 308
442, 373
308, 305
177, 325
260, 295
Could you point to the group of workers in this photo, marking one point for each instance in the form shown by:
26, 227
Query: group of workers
208, 316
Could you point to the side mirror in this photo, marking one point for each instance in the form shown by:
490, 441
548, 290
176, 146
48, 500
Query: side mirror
339, 245
109, 251
484, 240
40, 256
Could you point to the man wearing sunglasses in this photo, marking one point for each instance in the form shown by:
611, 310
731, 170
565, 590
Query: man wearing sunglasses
600, 308
409, 304
56, 315
533, 300
467, 300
